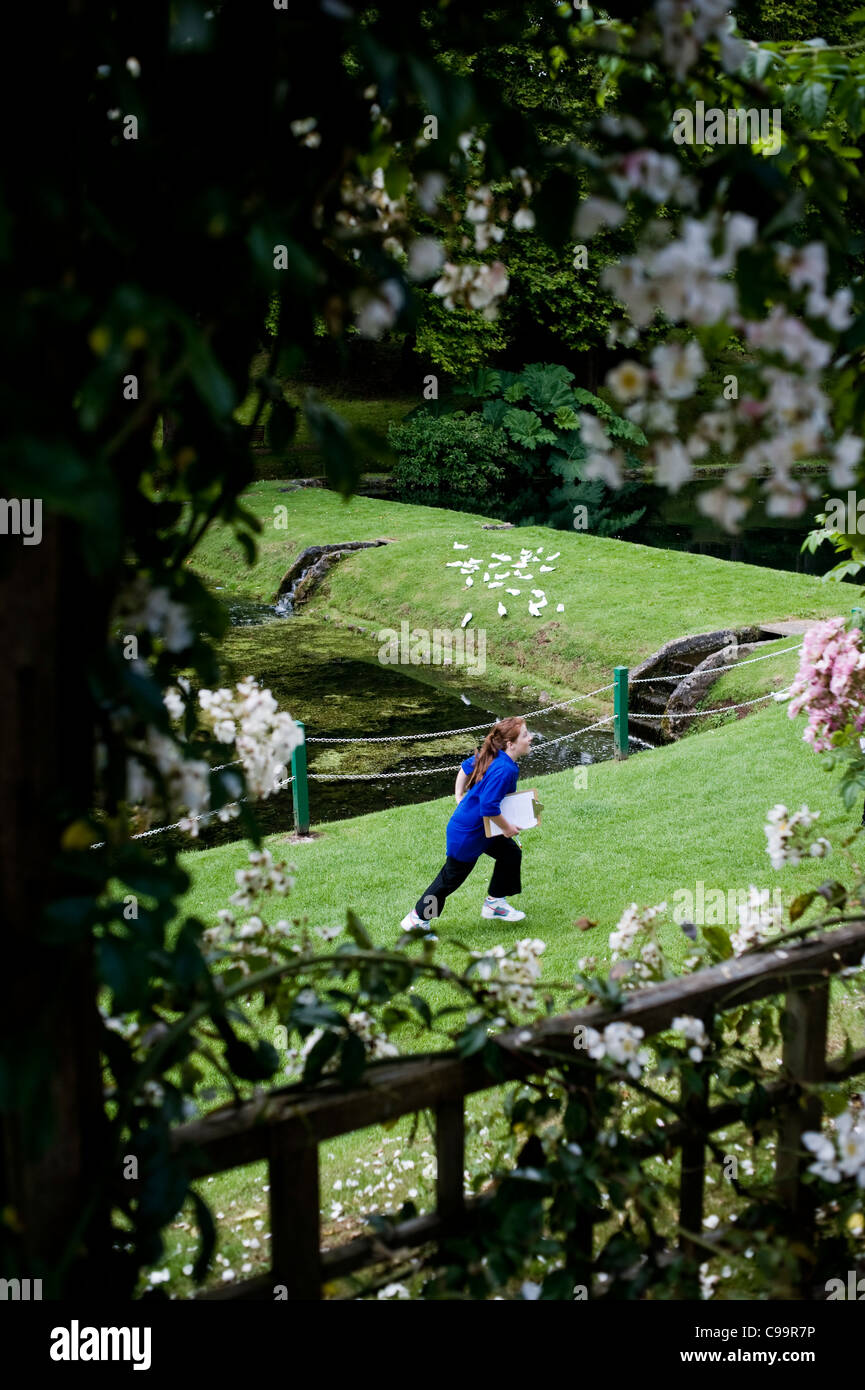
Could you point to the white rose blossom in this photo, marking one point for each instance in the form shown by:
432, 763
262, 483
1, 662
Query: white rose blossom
633, 920
512, 977
694, 1031
759, 919
264, 738
620, 1042
790, 836
843, 1158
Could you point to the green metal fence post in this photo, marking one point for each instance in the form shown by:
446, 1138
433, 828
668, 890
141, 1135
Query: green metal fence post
300, 785
620, 712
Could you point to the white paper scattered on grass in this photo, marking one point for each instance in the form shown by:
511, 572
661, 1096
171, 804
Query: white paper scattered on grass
469, 567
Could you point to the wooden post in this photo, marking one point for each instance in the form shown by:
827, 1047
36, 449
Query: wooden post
582, 1237
807, 1012
693, 1166
620, 712
450, 1162
294, 1220
300, 785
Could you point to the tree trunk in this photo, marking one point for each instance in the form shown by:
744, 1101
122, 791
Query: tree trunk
50, 1140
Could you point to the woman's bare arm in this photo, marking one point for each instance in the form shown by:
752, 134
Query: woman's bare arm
460, 785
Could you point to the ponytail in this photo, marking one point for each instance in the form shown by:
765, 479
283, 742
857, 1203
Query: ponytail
506, 731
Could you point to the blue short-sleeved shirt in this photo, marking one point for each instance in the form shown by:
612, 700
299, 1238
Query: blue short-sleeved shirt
466, 837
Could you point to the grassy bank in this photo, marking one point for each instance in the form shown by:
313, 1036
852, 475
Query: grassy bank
621, 601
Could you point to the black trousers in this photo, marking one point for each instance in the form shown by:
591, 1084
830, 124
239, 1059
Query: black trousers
506, 876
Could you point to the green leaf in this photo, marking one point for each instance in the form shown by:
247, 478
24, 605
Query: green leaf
515, 392
396, 179
834, 1102
799, 905
281, 426
319, 1054
472, 1040
835, 893
420, 1006
567, 465
625, 429
342, 460
549, 387
358, 932
558, 1286
814, 102
125, 969
352, 1060
483, 382
566, 418
211, 382
718, 942
526, 429
250, 1062
494, 412
759, 63
510, 379
584, 397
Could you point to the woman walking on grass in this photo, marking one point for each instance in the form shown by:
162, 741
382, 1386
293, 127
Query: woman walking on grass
482, 781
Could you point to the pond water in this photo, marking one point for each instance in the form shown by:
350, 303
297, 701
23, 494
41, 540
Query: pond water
330, 677
672, 522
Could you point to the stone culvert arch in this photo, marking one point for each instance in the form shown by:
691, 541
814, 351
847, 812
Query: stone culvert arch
698, 659
310, 567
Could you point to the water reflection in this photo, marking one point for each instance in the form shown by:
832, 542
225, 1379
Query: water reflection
672, 522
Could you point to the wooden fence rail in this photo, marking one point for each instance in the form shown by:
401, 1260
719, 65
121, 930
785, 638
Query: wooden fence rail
286, 1126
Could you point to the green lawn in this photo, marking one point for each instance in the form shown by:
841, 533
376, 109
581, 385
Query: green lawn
640, 830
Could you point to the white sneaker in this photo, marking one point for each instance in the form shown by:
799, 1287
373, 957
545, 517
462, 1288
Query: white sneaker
502, 909
411, 920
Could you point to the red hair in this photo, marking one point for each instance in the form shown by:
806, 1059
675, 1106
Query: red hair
506, 731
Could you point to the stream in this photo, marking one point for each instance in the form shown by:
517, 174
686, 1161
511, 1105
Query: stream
330, 677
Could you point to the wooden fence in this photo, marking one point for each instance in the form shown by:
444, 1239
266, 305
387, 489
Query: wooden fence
286, 1126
